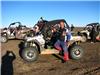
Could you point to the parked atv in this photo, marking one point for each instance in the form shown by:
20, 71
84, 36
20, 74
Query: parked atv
86, 32
15, 31
42, 44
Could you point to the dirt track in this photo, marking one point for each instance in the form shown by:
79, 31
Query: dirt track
51, 65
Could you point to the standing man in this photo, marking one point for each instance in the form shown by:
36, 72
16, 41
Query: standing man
63, 41
93, 34
72, 27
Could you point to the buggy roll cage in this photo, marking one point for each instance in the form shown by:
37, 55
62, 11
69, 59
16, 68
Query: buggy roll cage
44, 23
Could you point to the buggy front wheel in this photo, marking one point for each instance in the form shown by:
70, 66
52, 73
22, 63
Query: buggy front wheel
30, 54
3, 39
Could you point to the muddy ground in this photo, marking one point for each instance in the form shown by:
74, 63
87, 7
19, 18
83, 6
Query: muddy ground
51, 65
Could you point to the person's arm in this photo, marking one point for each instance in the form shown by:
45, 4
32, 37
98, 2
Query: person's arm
68, 39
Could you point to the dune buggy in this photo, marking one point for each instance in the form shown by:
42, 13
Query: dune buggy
86, 32
42, 44
15, 31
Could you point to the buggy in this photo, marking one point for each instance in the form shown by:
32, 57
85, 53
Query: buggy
86, 32
15, 31
42, 44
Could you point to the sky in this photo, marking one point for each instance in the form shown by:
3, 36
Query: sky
78, 13
50, 0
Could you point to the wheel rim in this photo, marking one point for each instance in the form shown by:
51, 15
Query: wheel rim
30, 54
77, 53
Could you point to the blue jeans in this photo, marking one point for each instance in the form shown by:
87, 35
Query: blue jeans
61, 45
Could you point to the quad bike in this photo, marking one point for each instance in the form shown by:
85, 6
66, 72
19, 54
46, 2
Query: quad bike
15, 31
41, 44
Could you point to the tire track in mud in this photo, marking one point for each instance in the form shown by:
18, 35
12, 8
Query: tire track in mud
89, 66
86, 70
94, 70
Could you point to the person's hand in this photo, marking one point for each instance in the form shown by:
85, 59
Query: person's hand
68, 44
48, 38
64, 33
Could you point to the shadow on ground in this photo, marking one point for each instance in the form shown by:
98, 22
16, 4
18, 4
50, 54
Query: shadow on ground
7, 63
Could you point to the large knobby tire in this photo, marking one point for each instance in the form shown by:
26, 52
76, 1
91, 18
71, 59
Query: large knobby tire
30, 54
76, 52
4, 39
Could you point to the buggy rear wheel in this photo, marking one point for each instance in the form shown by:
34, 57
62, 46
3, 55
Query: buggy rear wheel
76, 52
